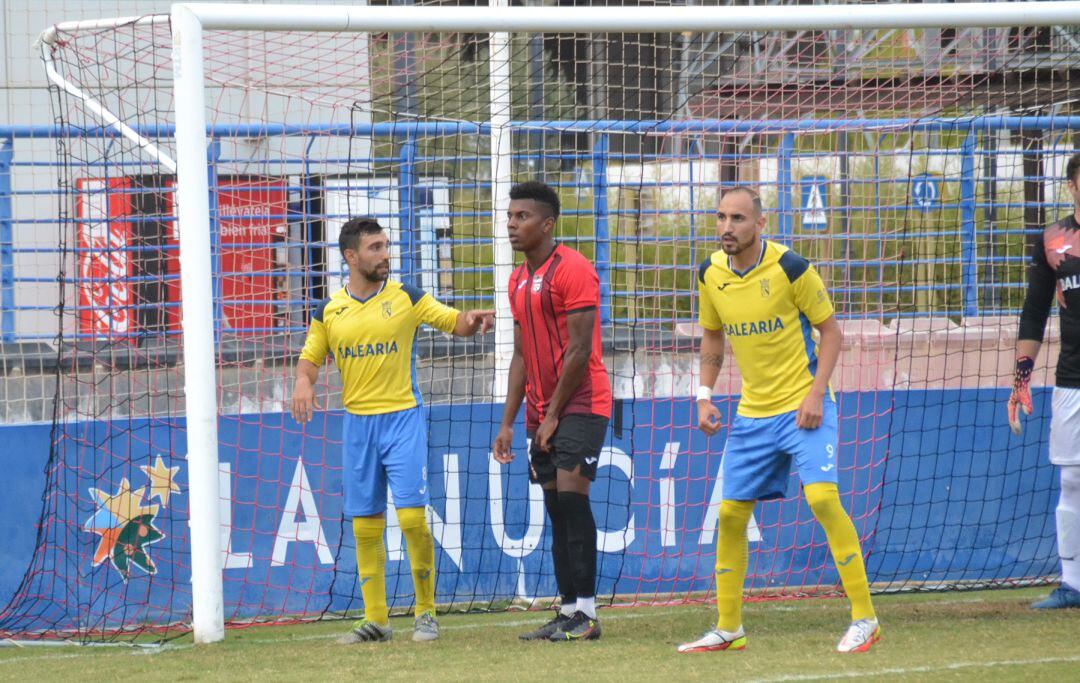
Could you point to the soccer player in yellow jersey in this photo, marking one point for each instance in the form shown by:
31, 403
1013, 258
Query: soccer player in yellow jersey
369, 326
767, 300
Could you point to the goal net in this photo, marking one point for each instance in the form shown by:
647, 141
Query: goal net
909, 165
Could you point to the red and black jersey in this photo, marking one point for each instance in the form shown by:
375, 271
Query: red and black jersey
540, 301
1055, 269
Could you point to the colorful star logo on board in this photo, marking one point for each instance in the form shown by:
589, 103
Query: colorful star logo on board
125, 519
162, 480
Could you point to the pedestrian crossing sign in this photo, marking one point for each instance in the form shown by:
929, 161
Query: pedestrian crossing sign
815, 202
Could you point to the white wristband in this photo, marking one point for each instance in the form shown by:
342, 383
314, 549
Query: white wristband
704, 394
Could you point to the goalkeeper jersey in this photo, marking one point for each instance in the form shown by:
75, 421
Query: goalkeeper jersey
1054, 272
767, 312
371, 341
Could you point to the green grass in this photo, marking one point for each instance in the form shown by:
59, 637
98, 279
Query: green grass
956, 636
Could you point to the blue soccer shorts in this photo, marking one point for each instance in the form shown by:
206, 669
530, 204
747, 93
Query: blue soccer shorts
759, 450
380, 450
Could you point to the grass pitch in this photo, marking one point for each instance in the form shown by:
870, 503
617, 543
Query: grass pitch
986, 635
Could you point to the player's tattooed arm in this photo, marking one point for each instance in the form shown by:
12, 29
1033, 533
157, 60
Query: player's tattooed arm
714, 359
711, 355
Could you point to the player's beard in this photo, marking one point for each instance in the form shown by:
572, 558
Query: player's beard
378, 274
734, 246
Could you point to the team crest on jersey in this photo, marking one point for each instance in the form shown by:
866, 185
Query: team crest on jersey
538, 282
387, 312
1060, 243
764, 287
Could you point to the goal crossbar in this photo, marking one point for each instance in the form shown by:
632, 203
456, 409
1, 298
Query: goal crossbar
221, 16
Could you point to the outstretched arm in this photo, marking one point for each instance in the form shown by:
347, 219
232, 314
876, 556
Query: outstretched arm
471, 322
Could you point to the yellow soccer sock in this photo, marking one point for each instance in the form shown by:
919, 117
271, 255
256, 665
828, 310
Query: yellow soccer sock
371, 566
731, 558
421, 548
844, 544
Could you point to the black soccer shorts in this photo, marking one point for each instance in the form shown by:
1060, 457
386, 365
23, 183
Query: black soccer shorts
578, 440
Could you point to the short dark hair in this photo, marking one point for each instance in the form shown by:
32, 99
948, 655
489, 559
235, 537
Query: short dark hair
349, 237
745, 189
538, 192
1073, 167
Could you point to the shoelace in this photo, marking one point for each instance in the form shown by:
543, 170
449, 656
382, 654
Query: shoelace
866, 628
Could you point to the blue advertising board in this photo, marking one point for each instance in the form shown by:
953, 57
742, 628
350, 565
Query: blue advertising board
955, 502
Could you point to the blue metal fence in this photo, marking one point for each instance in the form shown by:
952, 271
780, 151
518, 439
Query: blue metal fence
987, 257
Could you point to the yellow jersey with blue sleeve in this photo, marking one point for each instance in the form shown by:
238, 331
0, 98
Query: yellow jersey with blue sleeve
768, 313
371, 341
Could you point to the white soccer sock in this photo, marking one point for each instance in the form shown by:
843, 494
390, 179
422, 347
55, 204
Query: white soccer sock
588, 606
1068, 525
568, 609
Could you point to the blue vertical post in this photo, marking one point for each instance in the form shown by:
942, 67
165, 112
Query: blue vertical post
7, 244
877, 216
989, 174
785, 223
845, 201
968, 246
602, 227
407, 212
310, 254
213, 154
695, 146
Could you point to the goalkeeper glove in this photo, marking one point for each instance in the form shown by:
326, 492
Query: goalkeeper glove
1021, 393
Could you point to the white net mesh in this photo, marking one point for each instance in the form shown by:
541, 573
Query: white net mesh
909, 166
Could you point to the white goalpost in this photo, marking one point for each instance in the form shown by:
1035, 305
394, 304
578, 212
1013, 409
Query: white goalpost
190, 21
